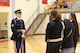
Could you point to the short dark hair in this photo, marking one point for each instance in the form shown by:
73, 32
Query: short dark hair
58, 17
54, 13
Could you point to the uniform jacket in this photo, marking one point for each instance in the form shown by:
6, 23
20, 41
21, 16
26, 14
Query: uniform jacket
16, 25
53, 30
68, 35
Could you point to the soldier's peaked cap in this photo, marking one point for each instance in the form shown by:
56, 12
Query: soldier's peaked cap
18, 11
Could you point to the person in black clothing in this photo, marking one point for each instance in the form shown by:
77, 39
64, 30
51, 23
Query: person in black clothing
74, 21
53, 33
68, 42
65, 4
18, 29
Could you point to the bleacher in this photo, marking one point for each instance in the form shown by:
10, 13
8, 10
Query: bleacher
60, 7
78, 9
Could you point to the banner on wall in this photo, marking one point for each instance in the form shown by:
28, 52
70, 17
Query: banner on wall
4, 2
44, 1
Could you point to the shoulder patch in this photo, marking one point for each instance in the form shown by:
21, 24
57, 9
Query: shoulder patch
12, 25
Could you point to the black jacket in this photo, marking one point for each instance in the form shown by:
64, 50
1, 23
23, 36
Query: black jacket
16, 25
68, 35
53, 30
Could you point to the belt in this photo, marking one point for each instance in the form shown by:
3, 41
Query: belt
19, 30
55, 40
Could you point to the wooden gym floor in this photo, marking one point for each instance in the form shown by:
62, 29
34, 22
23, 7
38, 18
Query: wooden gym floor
34, 44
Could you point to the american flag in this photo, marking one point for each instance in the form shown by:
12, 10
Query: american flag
44, 1
4, 2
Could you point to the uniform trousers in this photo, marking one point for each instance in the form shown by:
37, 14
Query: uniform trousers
19, 46
53, 47
68, 50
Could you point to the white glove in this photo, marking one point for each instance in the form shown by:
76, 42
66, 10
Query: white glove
23, 36
23, 31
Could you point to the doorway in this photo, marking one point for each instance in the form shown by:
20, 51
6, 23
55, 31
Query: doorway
3, 25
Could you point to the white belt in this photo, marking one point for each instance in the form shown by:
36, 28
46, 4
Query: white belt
55, 40
19, 30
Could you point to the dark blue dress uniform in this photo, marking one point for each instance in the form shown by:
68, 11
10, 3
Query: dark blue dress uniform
68, 41
53, 32
16, 26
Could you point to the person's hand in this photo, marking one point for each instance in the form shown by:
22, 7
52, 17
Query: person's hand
23, 31
23, 36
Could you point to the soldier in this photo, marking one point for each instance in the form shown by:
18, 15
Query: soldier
74, 21
68, 43
53, 33
18, 30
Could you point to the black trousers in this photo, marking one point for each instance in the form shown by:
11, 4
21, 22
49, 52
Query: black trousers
18, 46
53, 47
